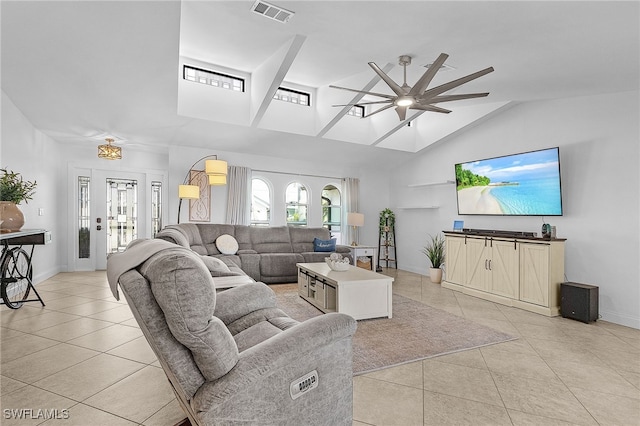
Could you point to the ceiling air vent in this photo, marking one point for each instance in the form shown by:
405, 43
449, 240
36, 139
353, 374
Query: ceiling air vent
273, 12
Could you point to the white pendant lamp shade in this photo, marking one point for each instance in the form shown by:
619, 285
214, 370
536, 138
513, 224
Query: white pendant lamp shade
189, 191
217, 180
215, 167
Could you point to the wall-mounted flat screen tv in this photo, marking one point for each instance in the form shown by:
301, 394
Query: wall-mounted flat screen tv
525, 184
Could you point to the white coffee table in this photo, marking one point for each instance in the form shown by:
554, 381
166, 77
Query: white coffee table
357, 292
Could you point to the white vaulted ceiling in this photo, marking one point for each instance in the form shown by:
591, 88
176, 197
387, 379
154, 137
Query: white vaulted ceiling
81, 69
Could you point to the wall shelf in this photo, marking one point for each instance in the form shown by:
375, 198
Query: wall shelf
419, 185
417, 207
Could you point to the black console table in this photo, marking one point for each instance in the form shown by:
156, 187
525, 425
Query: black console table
16, 271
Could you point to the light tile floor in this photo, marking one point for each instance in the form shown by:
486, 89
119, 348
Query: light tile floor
84, 356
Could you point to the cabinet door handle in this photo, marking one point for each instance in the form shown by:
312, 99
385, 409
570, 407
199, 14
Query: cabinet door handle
485, 264
489, 264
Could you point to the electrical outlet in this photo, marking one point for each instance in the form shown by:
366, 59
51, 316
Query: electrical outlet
40, 211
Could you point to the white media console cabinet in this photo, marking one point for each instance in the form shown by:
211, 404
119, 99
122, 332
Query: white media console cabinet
519, 271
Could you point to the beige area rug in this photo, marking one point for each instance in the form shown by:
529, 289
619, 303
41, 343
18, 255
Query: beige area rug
415, 332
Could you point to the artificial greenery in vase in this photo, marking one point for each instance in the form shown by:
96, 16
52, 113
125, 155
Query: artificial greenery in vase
387, 220
434, 250
14, 188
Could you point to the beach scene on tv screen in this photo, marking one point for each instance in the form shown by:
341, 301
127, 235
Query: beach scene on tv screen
520, 184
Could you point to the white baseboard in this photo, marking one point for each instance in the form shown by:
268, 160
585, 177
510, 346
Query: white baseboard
616, 318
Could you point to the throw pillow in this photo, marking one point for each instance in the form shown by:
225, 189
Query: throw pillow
227, 244
324, 245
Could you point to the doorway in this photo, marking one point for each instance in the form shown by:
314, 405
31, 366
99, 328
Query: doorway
112, 208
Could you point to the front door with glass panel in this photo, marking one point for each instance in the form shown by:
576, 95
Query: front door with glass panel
111, 213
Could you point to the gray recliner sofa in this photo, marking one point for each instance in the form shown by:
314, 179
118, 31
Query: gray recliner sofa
267, 254
234, 357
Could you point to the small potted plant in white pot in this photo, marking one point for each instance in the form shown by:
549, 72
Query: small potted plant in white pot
13, 190
434, 250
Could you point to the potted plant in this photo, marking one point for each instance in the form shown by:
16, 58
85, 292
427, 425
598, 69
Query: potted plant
13, 190
434, 250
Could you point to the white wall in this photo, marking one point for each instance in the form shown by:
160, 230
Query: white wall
598, 139
31, 153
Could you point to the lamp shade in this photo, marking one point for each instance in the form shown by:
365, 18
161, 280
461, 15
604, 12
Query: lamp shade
215, 168
217, 180
355, 219
189, 191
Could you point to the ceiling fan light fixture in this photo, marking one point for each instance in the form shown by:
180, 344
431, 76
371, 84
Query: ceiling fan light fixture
405, 101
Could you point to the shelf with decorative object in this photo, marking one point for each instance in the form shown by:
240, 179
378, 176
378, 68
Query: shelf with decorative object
420, 185
387, 240
417, 207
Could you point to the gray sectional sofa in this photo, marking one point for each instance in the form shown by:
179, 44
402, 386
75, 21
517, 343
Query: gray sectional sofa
267, 254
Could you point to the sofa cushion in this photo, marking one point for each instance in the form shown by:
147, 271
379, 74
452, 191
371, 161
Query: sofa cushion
221, 267
215, 265
184, 290
302, 238
209, 232
271, 240
227, 244
324, 245
279, 264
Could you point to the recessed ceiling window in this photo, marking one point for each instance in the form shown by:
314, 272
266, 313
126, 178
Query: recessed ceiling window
356, 111
292, 96
215, 79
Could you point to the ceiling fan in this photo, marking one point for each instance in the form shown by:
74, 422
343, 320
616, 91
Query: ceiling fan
418, 97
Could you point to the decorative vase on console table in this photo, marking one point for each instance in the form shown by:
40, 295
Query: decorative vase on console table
13, 191
11, 218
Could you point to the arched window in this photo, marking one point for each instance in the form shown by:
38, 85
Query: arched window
296, 200
260, 203
331, 210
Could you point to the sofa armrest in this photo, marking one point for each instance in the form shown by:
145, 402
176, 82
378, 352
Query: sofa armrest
262, 376
237, 302
342, 249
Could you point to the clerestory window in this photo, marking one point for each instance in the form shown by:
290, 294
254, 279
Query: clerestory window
292, 96
212, 78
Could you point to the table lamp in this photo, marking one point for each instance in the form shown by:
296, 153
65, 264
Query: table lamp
355, 220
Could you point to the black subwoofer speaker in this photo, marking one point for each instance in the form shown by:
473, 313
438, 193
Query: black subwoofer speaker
579, 301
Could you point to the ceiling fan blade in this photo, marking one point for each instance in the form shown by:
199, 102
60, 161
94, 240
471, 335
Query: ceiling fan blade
426, 78
455, 83
431, 108
382, 95
378, 110
366, 103
449, 98
402, 112
392, 84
